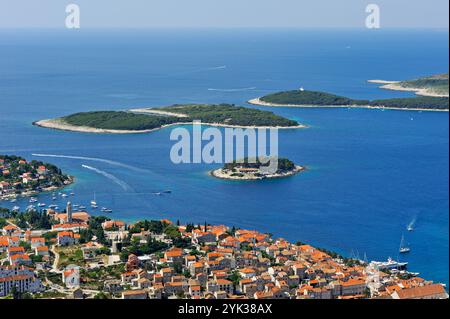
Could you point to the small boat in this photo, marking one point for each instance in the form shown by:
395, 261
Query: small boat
13, 200
157, 193
33, 200
94, 206
75, 205
106, 210
410, 226
54, 198
403, 248
167, 191
52, 206
82, 207
414, 274
64, 195
16, 209
72, 194
94, 202
42, 205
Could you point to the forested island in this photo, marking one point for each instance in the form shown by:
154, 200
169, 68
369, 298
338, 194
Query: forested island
18, 177
435, 85
251, 169
147, 120
303, 98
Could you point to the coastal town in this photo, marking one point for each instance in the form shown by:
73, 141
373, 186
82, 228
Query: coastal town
72, 255
18, 177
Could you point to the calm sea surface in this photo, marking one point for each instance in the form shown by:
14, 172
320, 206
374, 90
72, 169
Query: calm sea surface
370, 172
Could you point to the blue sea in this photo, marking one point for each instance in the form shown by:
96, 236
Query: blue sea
370, 172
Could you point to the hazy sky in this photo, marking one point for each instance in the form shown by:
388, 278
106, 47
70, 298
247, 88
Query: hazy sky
224, 13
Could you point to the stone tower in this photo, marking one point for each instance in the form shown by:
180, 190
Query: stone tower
69, 212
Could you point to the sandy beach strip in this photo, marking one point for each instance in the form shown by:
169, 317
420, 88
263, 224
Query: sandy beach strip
382, 81
259, 102
59, 124
158, 112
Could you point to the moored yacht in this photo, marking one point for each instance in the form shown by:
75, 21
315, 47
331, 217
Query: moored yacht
390, 264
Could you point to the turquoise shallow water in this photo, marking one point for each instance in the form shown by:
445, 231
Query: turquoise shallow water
369, 172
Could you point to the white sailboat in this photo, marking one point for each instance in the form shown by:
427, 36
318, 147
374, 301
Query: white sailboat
94, 202
403, 248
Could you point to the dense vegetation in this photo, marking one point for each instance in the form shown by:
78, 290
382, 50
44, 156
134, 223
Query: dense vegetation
299, 97
230, 114
420, 102
33, 219
221, 114
94, 229
119, 120
323, 99
284, 165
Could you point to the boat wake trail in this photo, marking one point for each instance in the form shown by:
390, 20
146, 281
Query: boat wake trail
233, 90
222, 67
412, 224
136, 169
119, 182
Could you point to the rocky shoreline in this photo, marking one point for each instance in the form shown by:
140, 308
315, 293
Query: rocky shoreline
58, 124
396, 86
226, 175
70, 181
259, 102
